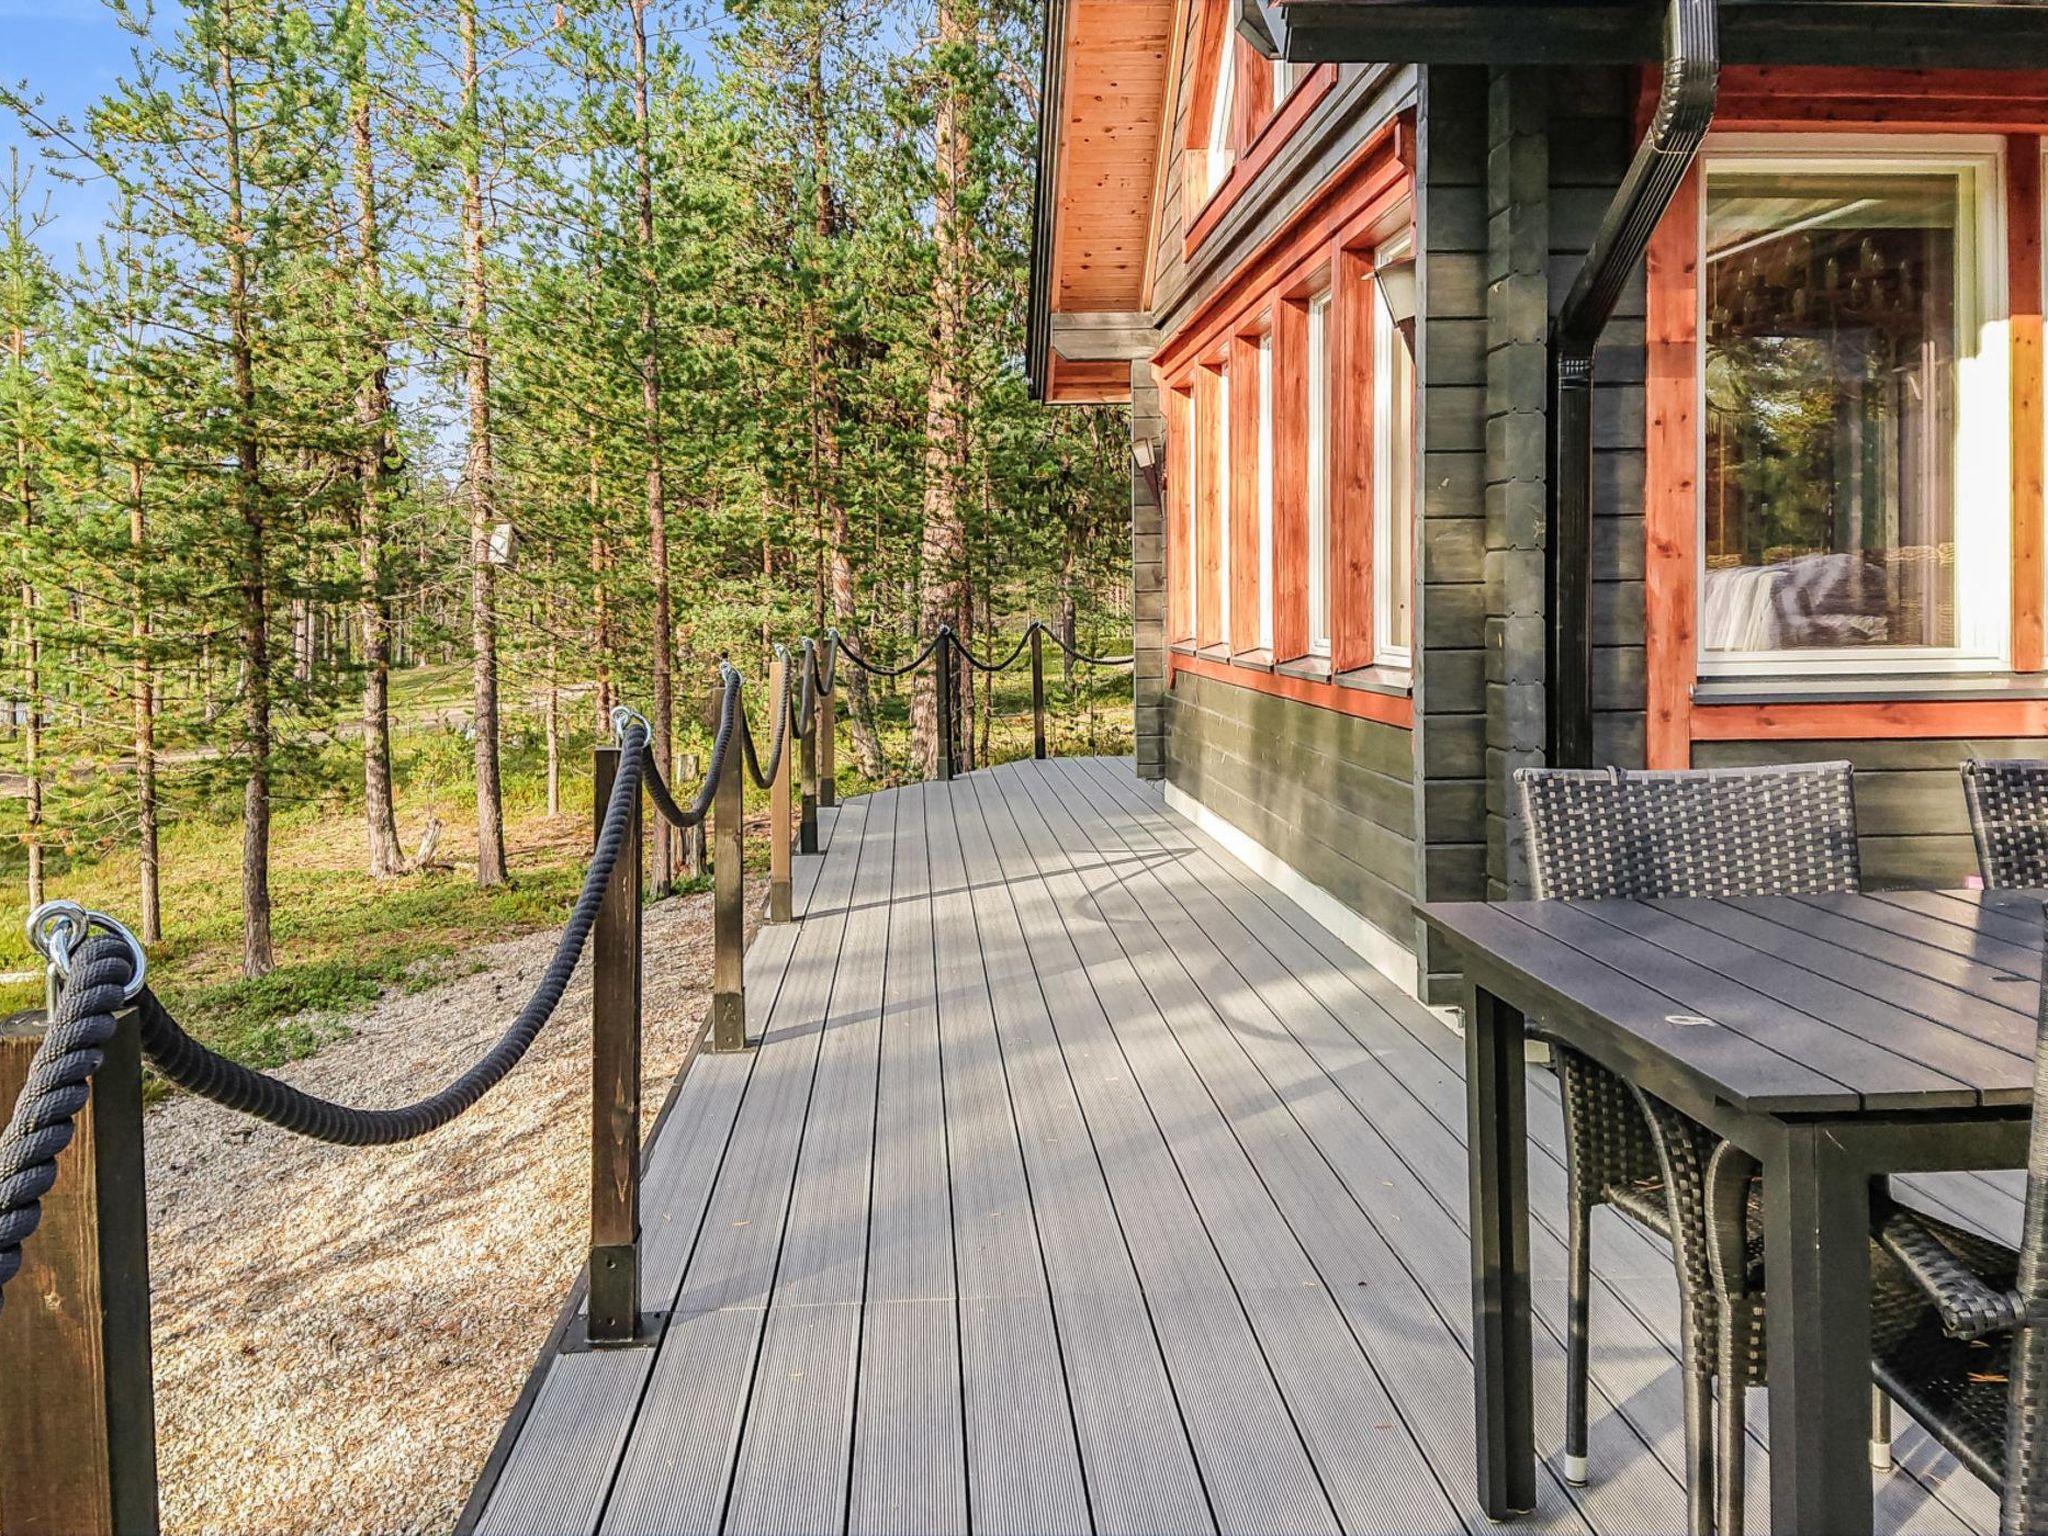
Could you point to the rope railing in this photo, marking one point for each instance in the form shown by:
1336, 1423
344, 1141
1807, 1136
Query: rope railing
104, 1018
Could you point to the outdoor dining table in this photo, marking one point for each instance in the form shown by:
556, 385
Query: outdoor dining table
1834, 1038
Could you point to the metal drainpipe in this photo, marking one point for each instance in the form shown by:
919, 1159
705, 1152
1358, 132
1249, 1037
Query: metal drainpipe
1685, 110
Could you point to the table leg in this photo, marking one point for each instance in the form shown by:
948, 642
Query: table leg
1817, 1268
1496, 1091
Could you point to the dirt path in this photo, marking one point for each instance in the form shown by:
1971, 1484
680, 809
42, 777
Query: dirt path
340, 1332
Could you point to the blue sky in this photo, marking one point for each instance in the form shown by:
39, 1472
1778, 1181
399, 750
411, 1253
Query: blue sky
70, 52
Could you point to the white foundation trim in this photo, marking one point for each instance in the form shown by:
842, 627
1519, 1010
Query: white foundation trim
1371, 943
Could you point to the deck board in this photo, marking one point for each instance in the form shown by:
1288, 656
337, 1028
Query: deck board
1080, 1181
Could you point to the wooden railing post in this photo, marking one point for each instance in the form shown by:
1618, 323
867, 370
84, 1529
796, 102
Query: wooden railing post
615, 1085
944, 686
1038, 692
77, 1410
728, 906
807, 810
779, 909
828, 737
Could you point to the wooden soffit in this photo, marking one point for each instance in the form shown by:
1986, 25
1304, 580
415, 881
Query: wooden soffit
1112, 98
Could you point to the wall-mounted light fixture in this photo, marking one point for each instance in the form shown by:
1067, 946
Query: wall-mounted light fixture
1398, 291
1146, 460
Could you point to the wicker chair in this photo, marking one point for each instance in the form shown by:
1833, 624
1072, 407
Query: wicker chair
2009, 818
1706, 833
1967, 1352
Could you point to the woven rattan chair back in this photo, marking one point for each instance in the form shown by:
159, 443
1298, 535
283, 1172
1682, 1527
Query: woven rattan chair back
1712, 832
2009, 818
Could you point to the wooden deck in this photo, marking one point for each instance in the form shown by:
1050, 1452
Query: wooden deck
1081, 1182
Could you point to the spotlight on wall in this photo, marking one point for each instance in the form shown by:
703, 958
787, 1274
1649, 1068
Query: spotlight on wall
1145, 459
1397, 284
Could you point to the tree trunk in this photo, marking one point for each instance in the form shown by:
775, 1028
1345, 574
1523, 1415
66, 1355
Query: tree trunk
943, 555
825, 451
377, 453
258, 955
31, 658
554, 716
483, 615
663, 720
147, 867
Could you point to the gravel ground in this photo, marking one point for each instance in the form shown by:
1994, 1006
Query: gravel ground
341, 1332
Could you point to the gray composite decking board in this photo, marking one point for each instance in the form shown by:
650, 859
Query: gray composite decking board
1399, 1339
675, 1473
1235, 1412
1134, 1469
1301, 1323
572, 1439
909, 1457
1641, 1283
795, 1452
1018, 1234
1389, 1208
1362, 1205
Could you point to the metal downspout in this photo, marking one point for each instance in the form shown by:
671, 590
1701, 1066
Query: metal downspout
1685, 110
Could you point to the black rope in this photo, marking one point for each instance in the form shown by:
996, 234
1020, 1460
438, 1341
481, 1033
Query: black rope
903, 671
207, 1073
657, 788
960, 647
807, 712
59, 1084
781, 713
831, 648
1083, 656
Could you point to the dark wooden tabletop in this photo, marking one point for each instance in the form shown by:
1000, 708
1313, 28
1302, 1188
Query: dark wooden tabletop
1786, 1004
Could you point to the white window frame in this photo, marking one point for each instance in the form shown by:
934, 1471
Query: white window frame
1266, 492
1319, 487
1222, 106
1194, 518
1222, 429
1983, 473
1386, 345
1286, 76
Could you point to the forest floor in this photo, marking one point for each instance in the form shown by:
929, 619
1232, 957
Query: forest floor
341, 1332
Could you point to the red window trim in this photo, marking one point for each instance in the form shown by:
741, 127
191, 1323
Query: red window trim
1834, 101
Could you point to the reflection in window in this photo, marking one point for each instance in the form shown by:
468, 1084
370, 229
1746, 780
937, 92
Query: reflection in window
1836, 306
1319, 475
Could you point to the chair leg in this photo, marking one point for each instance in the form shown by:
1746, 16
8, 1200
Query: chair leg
1880, 1430
1734, 1430
1577, 1363
1699, 1435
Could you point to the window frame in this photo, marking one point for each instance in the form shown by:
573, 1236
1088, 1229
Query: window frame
1320, 481
1388, 650
1266, 487
1220, 499
1983, 445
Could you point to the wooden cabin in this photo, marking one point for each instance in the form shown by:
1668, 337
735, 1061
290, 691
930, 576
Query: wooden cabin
1637, 383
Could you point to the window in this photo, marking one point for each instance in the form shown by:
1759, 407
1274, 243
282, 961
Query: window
1319, 475
1222, 112
1393, 477
1219, 502
1855, 449
1192, 500
1266, 492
